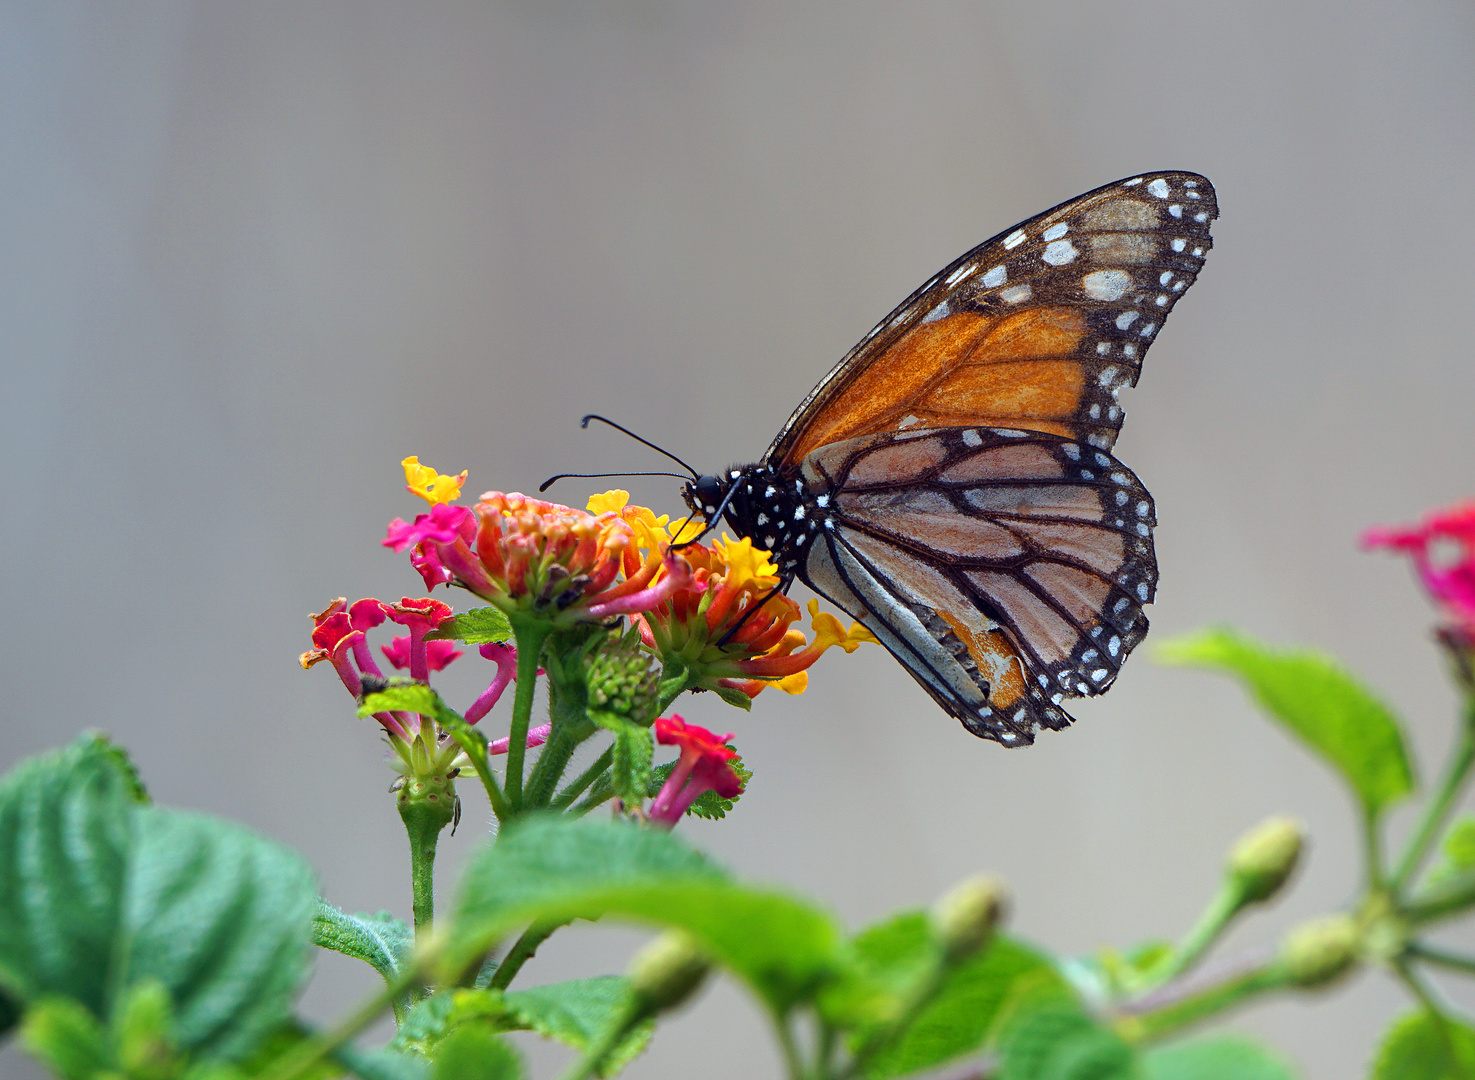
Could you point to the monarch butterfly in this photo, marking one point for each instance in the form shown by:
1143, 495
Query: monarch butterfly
950, 483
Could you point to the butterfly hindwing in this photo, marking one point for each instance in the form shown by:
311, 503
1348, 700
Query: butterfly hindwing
1006, 569
1037, 328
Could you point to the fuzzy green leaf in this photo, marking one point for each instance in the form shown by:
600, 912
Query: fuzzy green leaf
736, 698
222, 917
403, 695
1422, 1046
66, 833
966, 1011
1058, 1041
475, 627
556, 869
379, 940
629, 773
578, 1012
1319, 702
714, 807
1218, 1057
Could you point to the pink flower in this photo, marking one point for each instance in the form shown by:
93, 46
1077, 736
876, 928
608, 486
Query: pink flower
438, 654
1442, 548
704, 765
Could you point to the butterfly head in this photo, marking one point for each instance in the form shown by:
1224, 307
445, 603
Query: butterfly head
705, 494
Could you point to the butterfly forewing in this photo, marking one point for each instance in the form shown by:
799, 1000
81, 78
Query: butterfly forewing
1037, 328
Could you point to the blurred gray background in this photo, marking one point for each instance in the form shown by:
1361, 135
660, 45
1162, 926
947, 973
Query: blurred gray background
254, 254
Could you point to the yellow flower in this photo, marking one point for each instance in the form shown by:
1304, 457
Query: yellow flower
430, 485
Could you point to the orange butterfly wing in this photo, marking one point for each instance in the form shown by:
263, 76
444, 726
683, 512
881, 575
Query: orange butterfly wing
1037, 328
977, 524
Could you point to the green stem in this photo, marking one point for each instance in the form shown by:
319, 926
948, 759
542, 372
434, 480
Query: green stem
530, 634
1372, 854
790, 1049
522, 951
1425, 996
1449, 898
571, 726
1430, 955
1202, 1004
424, 837
894, 1030
1437, 809
585, 778
1211, 924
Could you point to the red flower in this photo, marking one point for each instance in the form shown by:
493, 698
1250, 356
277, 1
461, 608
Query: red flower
704, 765
1442, 548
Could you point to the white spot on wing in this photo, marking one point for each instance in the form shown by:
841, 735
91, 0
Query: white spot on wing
996, 276
1059, 252
1014, 239
1056, 231
1015, 294
960, 273
939, 312
972, 438
1159, 187
1106, 284
1125, 319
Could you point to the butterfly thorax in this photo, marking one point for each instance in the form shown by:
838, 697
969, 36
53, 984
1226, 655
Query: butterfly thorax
774, 509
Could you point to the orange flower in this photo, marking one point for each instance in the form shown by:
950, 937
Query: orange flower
735, 633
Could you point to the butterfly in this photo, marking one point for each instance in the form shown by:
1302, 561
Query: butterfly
950, 482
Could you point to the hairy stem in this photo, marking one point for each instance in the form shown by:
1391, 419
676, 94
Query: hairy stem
1199, 1005
530, 634
1211, 924
584, 779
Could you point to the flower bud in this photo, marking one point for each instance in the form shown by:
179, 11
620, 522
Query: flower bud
667, 971
1319, 951
967, 913
622, 678
1262, 859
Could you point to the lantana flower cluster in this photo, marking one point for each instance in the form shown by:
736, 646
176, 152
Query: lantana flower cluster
711, 614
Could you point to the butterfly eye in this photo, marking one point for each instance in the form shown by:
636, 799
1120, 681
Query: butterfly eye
705, 494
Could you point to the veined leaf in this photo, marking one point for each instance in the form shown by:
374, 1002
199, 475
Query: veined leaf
1320, 703
475, 627
554, 869
379, 940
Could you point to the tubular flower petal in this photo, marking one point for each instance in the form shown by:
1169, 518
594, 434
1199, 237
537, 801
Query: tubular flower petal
705, 765
438, 654
736, 633
1442, 548
338, 635
430, 485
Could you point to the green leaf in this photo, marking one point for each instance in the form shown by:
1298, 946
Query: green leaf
1423, 1046
67, 1037
1321, 703
735, 698
556, 869
475, 627
65, 837
381, 1064
578, 1012
379, 940
473, 1053
1058, 1041
965, 1013
220, 916
629, 773
1457, 852
1218, 1057
714, 807
403, 695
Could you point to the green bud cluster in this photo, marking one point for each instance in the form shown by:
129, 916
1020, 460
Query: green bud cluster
1263, 859
1321, 950
622, 678
966, 915
667, 972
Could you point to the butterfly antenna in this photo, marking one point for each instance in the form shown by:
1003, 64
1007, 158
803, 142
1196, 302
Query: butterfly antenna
711, 522
620, 427
546, 484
